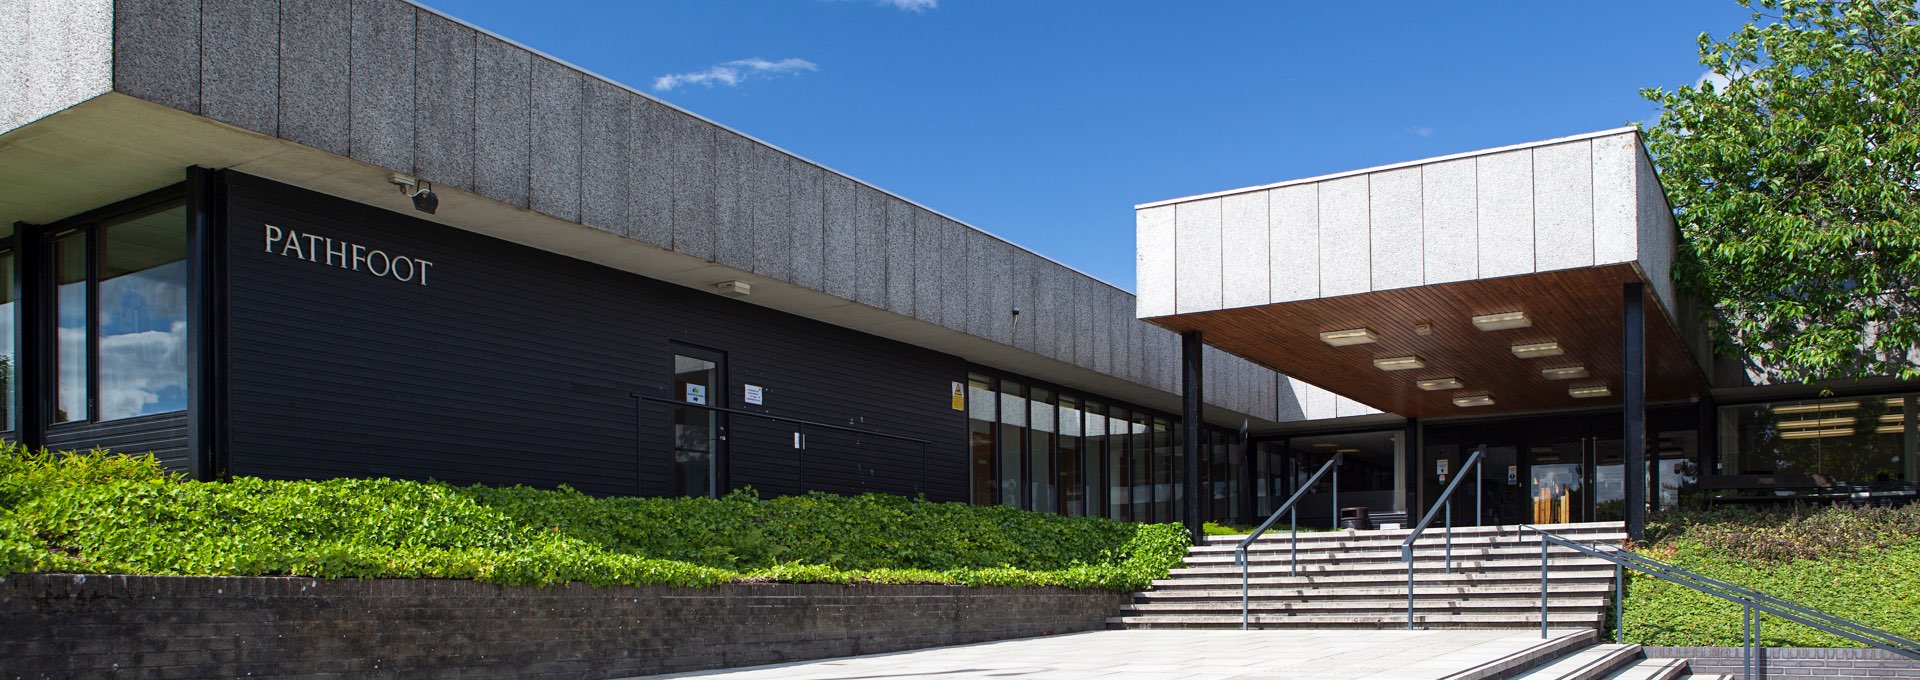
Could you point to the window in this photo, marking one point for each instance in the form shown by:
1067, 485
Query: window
1013, 425
9, 360
142, 323
980, 435
1849, 440
1040, 437
74, 398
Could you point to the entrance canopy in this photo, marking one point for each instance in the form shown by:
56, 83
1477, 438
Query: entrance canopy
1480, 283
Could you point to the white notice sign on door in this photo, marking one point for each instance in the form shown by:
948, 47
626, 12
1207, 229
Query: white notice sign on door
696, 394
755, 395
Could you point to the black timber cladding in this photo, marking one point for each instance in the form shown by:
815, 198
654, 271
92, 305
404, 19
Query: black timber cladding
513, 366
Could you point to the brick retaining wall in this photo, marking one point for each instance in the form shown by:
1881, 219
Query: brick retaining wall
1788, 662
66, 626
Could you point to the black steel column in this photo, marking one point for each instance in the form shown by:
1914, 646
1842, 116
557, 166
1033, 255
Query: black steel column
31, 358
1192, 419
1633, 407
206, 334
1246, 513
1411, 481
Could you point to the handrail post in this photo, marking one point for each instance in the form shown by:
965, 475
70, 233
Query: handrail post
1449, 569
1336, 492
1619, 596
1746, 641
1409, 593
1240, 555
1293, 542
1478, 515
1543, 585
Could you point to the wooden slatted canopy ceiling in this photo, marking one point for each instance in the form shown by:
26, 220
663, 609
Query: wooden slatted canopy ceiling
1581, 309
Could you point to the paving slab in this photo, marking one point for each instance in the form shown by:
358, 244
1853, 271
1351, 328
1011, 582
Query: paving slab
1176, 655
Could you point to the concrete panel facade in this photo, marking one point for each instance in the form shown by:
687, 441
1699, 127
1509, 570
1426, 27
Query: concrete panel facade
1449, 232
407, 90
1244, 232
314, 71
1346, 246
53, 54
241, 42
1393, 211
380, 60
1197, 261
1506, 213
1563, 206
1153, 261
1293, 220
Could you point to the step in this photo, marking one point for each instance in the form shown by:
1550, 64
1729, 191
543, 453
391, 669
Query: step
1433, 566
1383, 579
1282, 542
1518, 553
1376, 621
1559, 644
1421, 573
1459, 605
1419, 591
1280, 532
1592, 663
1653, 669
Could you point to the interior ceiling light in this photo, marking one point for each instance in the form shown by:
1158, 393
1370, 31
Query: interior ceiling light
1893, 417
1564, 372
1502, 321
1347, 451
1351, 336
1588, 392
1437, 384
1889, 429
1536, 350
1475, 400
1398, 363
1818, 434
1814, 422
1816, 408
1897, 402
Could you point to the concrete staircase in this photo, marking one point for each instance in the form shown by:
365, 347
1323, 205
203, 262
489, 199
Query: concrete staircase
1355, 579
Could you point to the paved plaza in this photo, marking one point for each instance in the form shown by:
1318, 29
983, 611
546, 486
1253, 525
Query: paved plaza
1175, 654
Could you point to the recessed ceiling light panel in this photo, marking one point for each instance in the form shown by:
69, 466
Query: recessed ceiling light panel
1535, 350
1564, 372
1474, 400
1437, 384
1502, 321
1588, 391
1351, 336
1398, 363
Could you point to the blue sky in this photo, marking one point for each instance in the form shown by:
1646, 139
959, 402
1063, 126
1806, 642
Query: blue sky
1044, 122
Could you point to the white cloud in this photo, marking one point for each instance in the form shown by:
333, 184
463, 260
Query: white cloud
1719, 80
143, 372
733, 73
910, 5
1421, 131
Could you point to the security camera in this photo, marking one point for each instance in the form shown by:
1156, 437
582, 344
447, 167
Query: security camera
421, 191
425, 200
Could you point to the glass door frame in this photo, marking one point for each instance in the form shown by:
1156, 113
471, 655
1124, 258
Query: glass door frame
718, 481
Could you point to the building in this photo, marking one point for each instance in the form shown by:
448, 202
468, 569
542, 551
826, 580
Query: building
309, 239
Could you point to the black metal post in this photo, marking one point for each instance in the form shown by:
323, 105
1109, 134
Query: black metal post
206, 335
1247, 511
1633, 407
34, 356
1192, 419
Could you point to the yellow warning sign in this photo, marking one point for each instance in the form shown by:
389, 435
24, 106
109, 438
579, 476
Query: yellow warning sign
959, 397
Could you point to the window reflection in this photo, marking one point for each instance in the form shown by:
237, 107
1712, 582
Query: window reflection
143, 316
9, 293
70, 343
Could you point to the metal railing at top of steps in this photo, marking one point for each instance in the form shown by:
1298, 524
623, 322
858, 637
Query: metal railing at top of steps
1470, 468
1293, 530
1753, 603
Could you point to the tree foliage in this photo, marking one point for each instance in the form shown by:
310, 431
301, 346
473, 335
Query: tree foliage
1794, 169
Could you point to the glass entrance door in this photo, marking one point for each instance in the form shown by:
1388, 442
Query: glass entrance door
699, 434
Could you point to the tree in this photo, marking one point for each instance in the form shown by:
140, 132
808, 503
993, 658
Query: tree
1794, 171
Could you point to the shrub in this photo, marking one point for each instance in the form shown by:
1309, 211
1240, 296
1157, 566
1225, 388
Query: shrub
1857, 564
103, 513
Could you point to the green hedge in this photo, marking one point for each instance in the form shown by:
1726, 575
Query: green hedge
1857, 564
99, 512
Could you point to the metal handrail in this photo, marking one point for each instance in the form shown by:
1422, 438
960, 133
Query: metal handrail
1293, 530
800, 427
1753, 603
1445, 501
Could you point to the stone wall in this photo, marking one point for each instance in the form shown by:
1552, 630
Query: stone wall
1807, 662
65, 626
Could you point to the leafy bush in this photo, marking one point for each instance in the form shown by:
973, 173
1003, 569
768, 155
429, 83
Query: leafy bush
1859, 564
99, 512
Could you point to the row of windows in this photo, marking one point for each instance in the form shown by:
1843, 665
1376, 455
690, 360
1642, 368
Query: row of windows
1037, 448
118, 316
